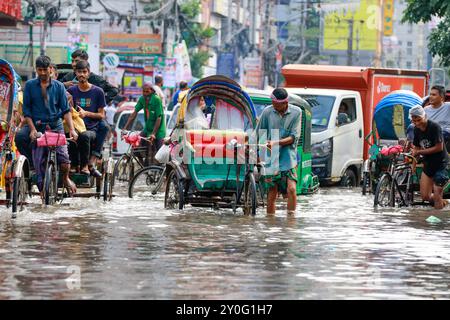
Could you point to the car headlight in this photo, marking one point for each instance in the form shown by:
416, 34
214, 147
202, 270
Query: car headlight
321, 149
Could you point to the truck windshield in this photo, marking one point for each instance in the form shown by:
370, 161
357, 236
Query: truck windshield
321, 110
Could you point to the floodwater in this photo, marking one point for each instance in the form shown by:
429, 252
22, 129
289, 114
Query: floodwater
337, 247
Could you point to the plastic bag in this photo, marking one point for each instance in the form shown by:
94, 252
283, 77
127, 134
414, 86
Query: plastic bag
163, 154
51, 139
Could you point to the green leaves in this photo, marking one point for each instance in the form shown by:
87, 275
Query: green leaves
190, 8
440, 41
198, 60
424, 11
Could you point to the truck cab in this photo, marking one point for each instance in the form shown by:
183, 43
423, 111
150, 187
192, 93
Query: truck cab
337, 134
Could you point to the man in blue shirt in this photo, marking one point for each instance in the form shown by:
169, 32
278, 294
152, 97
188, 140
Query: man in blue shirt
90, 103
44, 104
280, 123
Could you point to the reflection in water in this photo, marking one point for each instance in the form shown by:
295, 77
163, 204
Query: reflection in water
337, 246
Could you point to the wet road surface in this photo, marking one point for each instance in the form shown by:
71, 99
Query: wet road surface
337, 247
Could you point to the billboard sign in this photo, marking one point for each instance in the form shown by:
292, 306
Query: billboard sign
388, 23
225, 64
252, 73
365, 23
136, 44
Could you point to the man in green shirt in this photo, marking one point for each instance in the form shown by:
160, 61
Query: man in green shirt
155, 123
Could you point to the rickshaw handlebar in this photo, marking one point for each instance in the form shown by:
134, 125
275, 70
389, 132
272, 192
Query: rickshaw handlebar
234, 144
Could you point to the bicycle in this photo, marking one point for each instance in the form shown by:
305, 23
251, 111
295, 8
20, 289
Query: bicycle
397, 185
50, 188
124, 169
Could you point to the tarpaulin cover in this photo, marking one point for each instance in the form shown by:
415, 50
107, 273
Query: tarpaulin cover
391, 114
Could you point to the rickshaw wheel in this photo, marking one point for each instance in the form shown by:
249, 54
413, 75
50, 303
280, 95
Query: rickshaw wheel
384, 195
19, 194
174, 196
107, 190
51, 185
234, 203
150, 176
250, 195
366, 183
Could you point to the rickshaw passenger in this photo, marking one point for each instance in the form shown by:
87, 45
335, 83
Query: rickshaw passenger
44, 102
285, 118
429, 142
90, 102
155, 124
195, 117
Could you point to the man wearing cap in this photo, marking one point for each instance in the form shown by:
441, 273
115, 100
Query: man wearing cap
429, 143
155, 124
281, 123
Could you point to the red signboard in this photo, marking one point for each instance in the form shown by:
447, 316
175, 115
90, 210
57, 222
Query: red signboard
11, 8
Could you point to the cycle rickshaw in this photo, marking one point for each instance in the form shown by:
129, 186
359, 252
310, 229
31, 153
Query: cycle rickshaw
13, 178
54, 191
211, 161
390, 121
400, 187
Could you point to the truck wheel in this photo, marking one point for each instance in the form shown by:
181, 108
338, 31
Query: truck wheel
349, 179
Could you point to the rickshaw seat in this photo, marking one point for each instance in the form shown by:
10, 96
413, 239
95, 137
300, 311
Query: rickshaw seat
211, 171
207, 142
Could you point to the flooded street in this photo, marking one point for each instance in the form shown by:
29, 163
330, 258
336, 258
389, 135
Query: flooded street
337, 247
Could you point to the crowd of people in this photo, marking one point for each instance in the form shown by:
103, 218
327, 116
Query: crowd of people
81, 104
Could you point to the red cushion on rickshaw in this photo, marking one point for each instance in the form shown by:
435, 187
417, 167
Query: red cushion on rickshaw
213, 143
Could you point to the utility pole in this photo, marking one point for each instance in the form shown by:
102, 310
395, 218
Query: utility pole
350, 42
253, 24
266, 35
44, 36
379, 52
357, 41
229, 21
31, 45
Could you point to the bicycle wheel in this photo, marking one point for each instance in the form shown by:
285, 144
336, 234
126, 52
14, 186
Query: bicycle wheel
249, 206
106, 187
384, 195
51, 185
145, 180
403, 192
366, 183
174, 197
19, 194
161, 181
123, 170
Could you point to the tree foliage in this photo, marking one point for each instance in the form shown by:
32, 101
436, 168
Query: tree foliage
195, 36
198, 60
424, 11
190, 8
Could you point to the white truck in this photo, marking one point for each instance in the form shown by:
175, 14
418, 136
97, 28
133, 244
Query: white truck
343, 100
